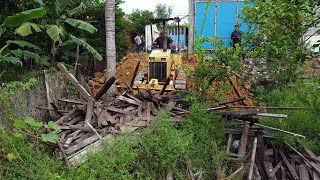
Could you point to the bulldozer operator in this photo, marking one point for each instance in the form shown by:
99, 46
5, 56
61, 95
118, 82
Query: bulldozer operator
163, 42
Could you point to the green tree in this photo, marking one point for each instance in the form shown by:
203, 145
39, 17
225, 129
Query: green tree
138, 18
275, 34
163, 11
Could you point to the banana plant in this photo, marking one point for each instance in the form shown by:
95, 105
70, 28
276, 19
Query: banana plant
21, 18
14, 56
59, 13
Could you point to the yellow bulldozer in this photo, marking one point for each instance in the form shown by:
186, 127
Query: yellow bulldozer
164, 72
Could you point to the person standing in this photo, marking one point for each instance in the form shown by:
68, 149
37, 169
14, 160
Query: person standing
236, 37
138, 42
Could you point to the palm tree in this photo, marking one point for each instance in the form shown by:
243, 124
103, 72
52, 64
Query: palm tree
110, 41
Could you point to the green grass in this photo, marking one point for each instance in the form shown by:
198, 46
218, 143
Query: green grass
305, 122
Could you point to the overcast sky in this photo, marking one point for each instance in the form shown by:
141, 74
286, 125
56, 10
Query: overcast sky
180, 7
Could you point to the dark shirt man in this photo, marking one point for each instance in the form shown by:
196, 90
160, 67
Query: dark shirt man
236, 37
159, 41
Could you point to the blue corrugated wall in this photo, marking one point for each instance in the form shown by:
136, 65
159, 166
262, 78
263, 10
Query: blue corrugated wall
226, 19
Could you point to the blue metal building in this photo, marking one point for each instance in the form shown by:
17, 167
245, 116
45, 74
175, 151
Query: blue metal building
220, 20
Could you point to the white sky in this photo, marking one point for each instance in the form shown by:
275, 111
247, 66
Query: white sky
180, 7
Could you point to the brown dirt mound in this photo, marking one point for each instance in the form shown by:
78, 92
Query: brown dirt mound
127, 65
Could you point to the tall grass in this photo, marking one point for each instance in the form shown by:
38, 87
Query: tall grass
305, 122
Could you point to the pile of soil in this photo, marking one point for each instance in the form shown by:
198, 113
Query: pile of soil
97, 82
127, 65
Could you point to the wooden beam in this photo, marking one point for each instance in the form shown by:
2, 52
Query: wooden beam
280, 130
135, 74
244, 140
271, 115
253, 157
273, 108
261, 156
89, 115
303, 172
105, 88
71, 101
275, 169
247, 112
75, 82
290, 168
165, 86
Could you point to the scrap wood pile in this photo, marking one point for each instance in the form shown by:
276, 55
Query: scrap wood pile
250, 144
84, 127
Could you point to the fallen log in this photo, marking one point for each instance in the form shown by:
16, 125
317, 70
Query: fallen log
75, 82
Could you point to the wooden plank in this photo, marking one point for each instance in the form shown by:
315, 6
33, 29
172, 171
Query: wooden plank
66, 116
303, 172
253, 157
275, 170
247, 112
274, 108
134, 98
280, 130
89, 115
233, 175
244, 140
269, 169
103, 117
81, 156
82, 144
105, 88
71, 138
131, 101
283, 173
135, 74
165, 86
114, 109
74, 81
229, 143
276, 160
260, 156
71, 101
271, 115
237, 91
290, 168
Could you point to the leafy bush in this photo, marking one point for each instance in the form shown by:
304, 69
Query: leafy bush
208, 140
